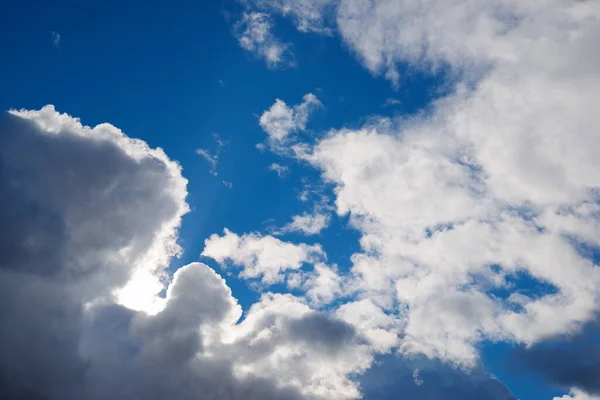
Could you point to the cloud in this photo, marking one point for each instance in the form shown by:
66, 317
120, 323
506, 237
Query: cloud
280, 120
310, 223
323, 284
280, 170
496, 182
571, 362
425, 379
577, 395
263, 257
254, 34
213, 160
55, 38
85, 210
213, 157
75, 231
308, 15
390, 102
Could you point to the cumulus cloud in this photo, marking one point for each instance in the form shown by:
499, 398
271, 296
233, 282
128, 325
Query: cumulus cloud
76, 228
254, 33
497, 182
264, 257
280, 120
86, 209
576, 394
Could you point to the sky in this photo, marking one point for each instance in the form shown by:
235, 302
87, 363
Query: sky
309, 199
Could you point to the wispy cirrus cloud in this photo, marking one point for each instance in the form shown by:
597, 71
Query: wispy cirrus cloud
254, 34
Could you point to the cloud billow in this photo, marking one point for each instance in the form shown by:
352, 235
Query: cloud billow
86, 210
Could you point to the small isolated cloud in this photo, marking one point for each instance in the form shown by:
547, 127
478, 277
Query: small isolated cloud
280, 170
308, 223
221, 82
280, 120
390, 102
55, 38
254, 33
228, 184
213, 160
213, 157
416, 378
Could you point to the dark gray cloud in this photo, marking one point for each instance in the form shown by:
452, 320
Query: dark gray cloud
139, 356
570, 362
79, 210
70, 205
320, 330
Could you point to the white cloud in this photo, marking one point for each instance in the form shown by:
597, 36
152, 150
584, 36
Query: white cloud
212, 157
309, 15
280, 120
308, 224
323, 285
501, 172
576, 394
280, 170
262, 257
416, 378
254, 34
213, 160
381, 329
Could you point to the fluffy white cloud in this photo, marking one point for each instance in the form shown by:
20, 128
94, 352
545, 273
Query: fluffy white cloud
280, 120
281, 336
323, 284
577, 395
498, 181
254, 34
309, 224
264, 257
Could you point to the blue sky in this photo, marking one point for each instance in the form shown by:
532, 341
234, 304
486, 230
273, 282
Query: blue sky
461, 145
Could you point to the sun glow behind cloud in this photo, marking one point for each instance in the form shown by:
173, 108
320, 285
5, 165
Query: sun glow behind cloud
473, 222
